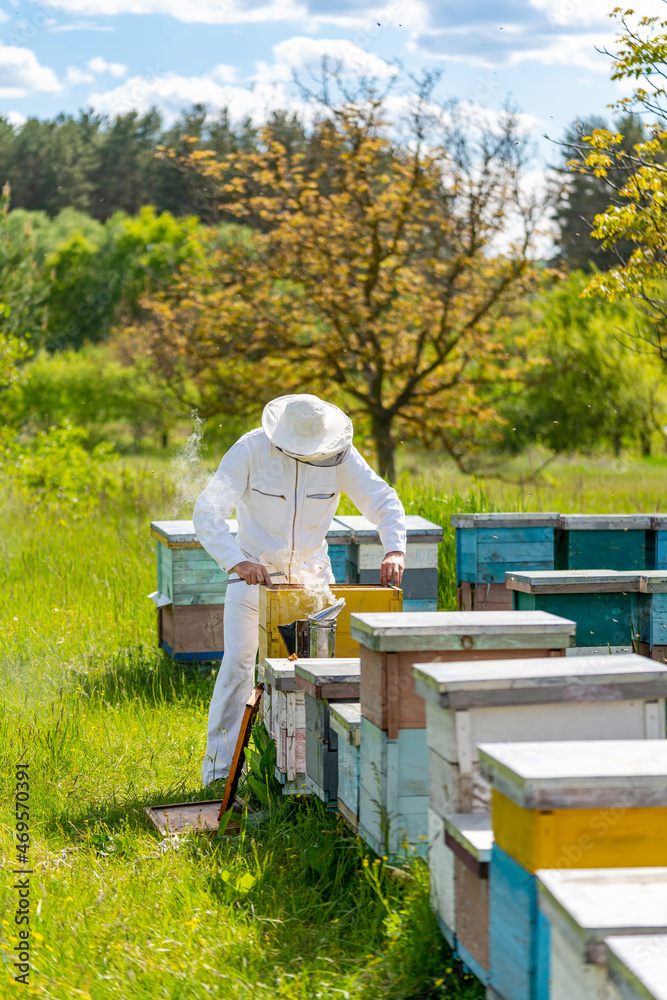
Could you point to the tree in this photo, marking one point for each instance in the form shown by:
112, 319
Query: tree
583, 196
378, 276
635, 227
591, 388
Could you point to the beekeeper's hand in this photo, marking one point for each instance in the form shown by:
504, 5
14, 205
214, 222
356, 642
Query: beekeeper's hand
391, 570
252, 573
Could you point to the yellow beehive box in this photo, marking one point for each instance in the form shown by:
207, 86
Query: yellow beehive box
285, 602
597, 804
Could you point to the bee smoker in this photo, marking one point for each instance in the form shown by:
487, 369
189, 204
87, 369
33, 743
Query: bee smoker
314, 636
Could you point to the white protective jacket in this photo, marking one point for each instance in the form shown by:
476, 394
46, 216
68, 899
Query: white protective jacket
284, 509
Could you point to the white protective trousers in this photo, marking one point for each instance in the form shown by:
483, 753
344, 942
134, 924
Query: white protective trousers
234, 681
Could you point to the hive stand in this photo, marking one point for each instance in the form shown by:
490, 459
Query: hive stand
345, 722
580, 804
605, 541
324, 681
579, 909
420, 579
601, 601
394, 792
636, 967
285, 718
651, 615
488, 545
285, 603
554, 698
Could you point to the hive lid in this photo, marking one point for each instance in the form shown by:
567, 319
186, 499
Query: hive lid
417, 528
327, 670
544, 680
573, 581
638, 964
581, 774
524, 519
391, 631
345, 717
176, 533
473, 831
606, 522
659, 521
279, 673
653, 582
596, 903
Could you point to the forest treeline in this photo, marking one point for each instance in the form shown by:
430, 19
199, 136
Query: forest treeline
101, 165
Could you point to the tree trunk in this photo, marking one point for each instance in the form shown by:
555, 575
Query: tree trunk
384, 446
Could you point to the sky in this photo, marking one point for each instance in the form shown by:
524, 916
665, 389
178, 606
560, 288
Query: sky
115, 55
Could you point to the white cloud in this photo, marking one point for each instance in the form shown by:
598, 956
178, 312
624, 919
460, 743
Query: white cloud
81, 26
4, 16
21, 73
300, 53
193, 11
76, 76
100, 65
172, 94
224, 73
15, 118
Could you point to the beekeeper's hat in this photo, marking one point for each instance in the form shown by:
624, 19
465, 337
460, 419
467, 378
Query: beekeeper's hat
308, 429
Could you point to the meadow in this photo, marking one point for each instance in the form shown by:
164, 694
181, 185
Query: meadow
295, 907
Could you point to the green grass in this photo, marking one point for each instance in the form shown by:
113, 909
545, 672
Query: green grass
295, 907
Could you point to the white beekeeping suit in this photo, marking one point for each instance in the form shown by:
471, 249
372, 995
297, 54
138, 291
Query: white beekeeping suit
284, 480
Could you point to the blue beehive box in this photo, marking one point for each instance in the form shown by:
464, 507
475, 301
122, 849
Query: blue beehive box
489, 545
651, 614
606, 541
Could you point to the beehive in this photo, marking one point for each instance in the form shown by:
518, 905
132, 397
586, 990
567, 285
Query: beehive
601, 601
593, 697
488, 545
636, 967
470, 840
605, 541
651, 615
284, 710
420, 579
394, 755
578, 910
285, 603
324, 681
345, 721
659, 560
577, 805
192, 587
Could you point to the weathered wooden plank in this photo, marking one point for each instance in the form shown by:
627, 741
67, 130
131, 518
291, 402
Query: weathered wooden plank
492, 682
606, 522
512, 922
431, 604
573, 581
442, 871
517, 519
601, 548
417, 584
418, 556
345, 718
612, 774
473, 831
601, 617
472, 916
193, 630
461, 630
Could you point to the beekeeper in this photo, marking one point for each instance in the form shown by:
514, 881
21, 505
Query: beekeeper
284, 480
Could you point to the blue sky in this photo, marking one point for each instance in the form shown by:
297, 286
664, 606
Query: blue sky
64, 55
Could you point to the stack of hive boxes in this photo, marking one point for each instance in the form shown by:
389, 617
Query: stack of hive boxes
284, 715
394, 783
594, 697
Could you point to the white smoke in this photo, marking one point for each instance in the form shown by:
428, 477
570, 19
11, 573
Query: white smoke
187, 472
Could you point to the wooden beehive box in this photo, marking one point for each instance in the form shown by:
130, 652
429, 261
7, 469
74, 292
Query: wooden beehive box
345, 721
190, 626
636, 967
339, 540
578, 910
488, 545
420, 580
601, 601
469, 838
324, 681
285, 603
284, 709
605, 541
394, 754
651, 614
553, 698
575, 804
